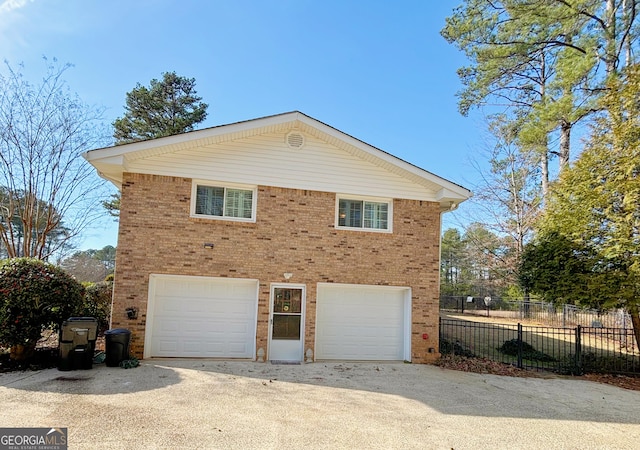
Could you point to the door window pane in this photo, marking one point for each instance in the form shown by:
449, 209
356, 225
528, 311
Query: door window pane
286, 326
287, 301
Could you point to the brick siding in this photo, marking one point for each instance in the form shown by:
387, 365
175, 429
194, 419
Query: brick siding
294, 232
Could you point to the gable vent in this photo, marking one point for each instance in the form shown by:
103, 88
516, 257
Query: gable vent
295, 139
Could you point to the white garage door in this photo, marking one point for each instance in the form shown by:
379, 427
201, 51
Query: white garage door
359, 322
201, 317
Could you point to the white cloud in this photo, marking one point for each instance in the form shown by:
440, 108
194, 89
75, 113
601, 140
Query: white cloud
9, 5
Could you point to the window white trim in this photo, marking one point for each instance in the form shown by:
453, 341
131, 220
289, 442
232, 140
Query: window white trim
388, 201
225, 186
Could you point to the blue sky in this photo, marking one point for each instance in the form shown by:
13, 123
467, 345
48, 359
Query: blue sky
377, 70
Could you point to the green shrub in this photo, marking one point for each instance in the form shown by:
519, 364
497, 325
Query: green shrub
529, 353
607, 363
97, 302
34, 296
456, 348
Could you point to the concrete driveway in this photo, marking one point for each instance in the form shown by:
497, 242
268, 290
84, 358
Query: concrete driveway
217, 404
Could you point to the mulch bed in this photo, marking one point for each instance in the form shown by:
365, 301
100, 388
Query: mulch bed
482, 365
43, 358
45, 355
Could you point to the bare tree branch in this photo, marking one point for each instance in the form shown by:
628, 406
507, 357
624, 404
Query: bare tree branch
48, 193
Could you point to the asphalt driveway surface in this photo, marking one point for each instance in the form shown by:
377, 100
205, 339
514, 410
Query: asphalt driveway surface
216, 404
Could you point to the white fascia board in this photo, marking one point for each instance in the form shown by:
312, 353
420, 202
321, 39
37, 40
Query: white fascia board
386, 157
449, 200
193, 138
445, 194
107, 159
109, 168
110, 174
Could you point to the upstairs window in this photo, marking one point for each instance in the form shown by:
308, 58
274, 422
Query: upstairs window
223, 202
364, 214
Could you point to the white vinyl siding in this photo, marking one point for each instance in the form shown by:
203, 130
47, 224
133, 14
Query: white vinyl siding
364, 214
220, 202
267, 160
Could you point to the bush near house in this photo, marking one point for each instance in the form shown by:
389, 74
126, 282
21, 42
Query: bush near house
34, 296
97, 303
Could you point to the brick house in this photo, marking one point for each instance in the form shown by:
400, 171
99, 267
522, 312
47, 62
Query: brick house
279, 238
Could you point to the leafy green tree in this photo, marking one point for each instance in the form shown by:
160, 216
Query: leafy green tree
556, 269
486, 257
91, 265
107, 256
97, 302
167, 107
596, 204
24, 230
48, 195
34, 296
476, 263
113, 205
545, 60
452, 264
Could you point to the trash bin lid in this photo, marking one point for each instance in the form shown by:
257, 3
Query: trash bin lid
76, 325
118, 331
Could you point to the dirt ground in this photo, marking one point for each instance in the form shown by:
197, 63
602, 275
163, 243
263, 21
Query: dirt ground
481, 365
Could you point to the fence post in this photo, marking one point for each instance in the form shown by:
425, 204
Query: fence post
519, 346
579, 350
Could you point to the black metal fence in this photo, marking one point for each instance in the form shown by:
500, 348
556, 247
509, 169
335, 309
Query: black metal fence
565, 350
537, 311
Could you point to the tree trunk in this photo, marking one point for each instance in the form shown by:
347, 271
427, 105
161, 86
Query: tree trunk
565, 144
544, 168
628, 12
611, 54
635, 320
544, 145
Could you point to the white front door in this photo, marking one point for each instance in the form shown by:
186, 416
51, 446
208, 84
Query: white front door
286, 324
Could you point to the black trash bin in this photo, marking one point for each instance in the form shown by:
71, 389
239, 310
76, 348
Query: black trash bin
77, 343
116, 343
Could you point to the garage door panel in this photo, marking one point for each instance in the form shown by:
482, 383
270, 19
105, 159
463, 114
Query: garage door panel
360, 323
167, 346
203, 317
